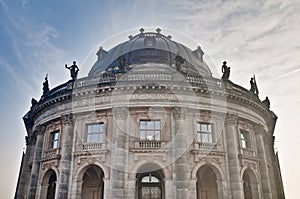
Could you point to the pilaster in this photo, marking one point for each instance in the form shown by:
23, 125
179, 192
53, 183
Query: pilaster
180, 153
39, 134
119, 153
234, 167
66, 157
265, 179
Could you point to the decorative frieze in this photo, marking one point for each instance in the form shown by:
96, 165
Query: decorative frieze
67, 118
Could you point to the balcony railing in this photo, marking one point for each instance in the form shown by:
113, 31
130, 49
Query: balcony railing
150, 144
205, 146
91, 146
247, 152
51, 153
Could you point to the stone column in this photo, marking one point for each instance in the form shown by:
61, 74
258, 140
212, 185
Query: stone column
66, 157
193, 188
119, 153
78, 188
234, 165
107, 190
180, 153
39, 132
266, 187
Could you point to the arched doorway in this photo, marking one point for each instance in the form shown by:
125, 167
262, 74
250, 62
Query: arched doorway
250, 185
92, 185
207, 187
150, 183
49, 185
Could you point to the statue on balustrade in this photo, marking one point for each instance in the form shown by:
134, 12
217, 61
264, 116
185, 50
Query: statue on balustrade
73, 70
46, 85
225, 71
122, 63
253, 86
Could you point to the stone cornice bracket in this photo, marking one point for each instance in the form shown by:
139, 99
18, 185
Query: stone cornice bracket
120, 113
259, 129
179, 113
231, 119
67, 118
39, 129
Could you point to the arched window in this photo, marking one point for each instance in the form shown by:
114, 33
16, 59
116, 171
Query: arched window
48, 185
250, 185
150, 186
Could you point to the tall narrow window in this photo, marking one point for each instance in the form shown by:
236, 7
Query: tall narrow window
205, 132
150, 130
54, 139
95, 133
245, 139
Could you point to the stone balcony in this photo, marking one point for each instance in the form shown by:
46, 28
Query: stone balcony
203, 149
92, 146
51, 154
150, 144
247, 152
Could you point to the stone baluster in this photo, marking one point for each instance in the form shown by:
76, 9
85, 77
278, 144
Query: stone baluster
180, 153
234, 165
119, 153
266, 187
66, 157
39, 133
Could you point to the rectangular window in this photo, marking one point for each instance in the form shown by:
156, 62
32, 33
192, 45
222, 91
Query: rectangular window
54, 139
204, 132
245, 139
95, 133
149, 130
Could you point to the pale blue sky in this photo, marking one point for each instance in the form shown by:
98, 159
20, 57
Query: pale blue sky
255, 37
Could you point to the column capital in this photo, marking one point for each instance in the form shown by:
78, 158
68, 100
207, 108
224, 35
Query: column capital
39, 129
179, 113
259, 128
30, 140
67, 118
120, 113
231, 119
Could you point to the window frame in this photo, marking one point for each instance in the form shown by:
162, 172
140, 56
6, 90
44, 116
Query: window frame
100, 134
148, 131
53, 140
245, 139
200, 133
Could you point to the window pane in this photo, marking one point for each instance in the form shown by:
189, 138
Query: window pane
55, 144
55, 136
100, 137
89, 128
157, 135
204, 128
150, 135
142, 124
205, 137
198, 127
157, 124
101, 127
210, 138
150, 125
95, 128
142, 135
209, 128
199, 137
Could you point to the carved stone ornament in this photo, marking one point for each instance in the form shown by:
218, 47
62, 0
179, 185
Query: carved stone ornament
205, 116
179, 113
40, 129
120, 113
259, 129
67, 118
30, 140
231, 119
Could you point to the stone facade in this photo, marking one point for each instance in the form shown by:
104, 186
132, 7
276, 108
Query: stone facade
150, 131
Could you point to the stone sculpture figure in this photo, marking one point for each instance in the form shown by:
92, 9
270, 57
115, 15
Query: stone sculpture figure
73, 70
46, 86
225, 71
266, 102
253, 86
121, 63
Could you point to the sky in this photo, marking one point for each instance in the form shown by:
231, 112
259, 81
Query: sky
39, 37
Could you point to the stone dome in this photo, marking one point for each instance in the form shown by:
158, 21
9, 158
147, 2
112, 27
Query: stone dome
149, 47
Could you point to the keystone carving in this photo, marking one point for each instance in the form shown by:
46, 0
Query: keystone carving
120, 113
179, 113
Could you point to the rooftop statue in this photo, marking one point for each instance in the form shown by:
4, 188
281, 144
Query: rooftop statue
121, 63
266, 102
253, 86
45, 86
225, 71
73, 70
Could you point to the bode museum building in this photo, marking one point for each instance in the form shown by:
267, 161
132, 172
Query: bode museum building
150, 122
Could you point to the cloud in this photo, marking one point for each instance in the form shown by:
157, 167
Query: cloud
34, 53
